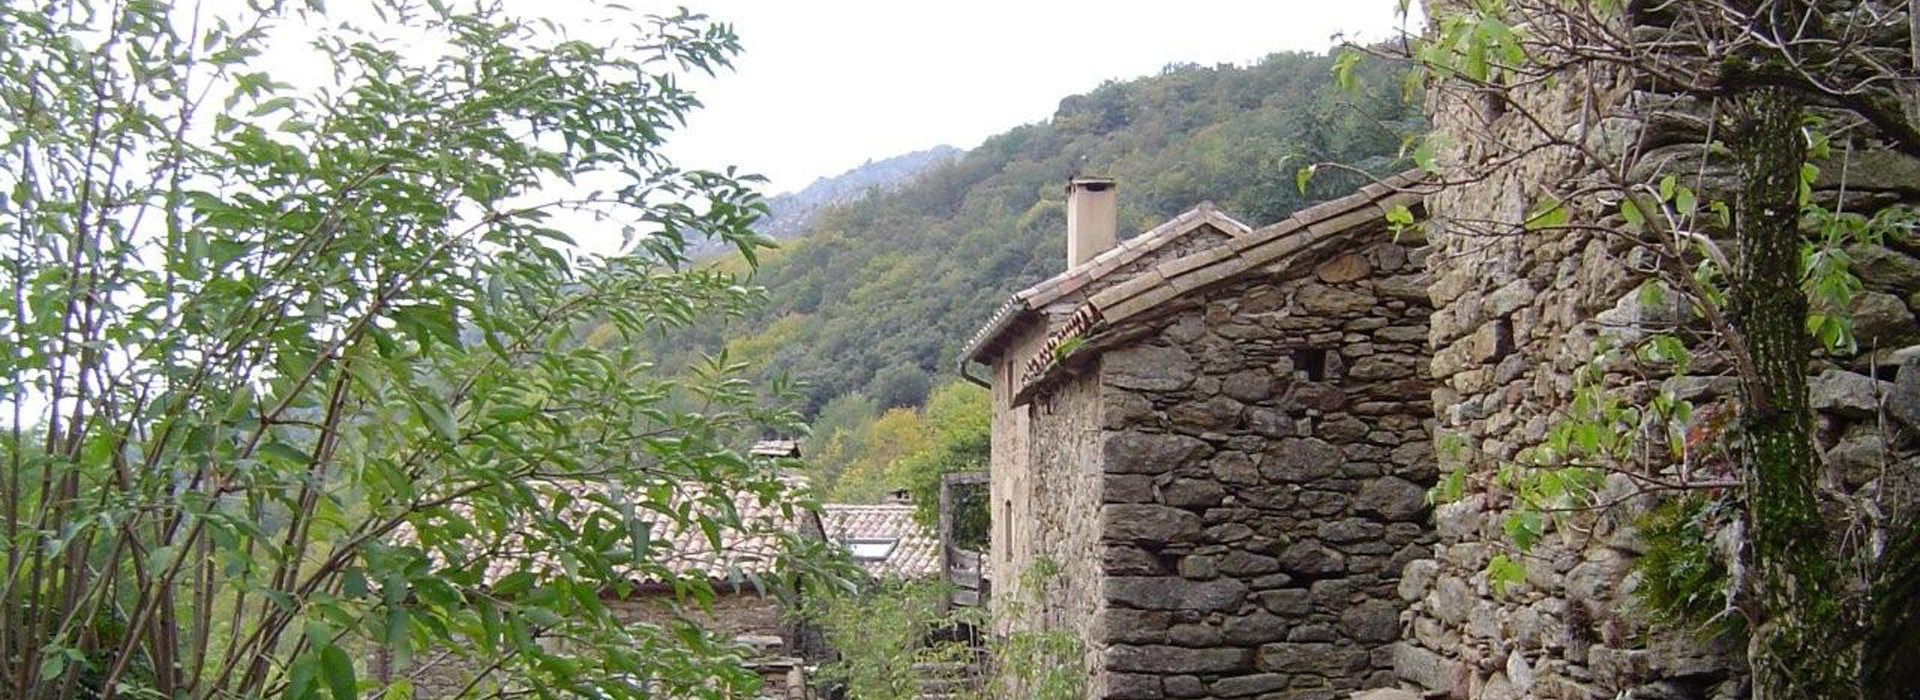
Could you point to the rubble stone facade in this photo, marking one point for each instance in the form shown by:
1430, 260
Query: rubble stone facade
1266, 464
1515, 315
1222, 487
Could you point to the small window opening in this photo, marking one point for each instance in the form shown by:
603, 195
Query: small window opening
1006, 524
872, 549
1311, 362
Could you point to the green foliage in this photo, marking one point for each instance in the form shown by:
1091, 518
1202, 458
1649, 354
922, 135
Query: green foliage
960, 416
882, 637
858, 455
1683, 573
902, 279
892, 637
295, 375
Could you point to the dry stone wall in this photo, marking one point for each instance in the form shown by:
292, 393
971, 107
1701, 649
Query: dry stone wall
1514, 316
1266, 462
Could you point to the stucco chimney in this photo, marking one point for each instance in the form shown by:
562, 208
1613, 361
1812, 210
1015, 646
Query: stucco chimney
1092, 211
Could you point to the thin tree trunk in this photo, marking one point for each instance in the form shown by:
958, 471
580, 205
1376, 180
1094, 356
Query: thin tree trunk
1796, 648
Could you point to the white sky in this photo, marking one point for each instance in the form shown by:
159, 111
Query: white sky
828, 84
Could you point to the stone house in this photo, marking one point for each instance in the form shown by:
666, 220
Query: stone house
1210, 447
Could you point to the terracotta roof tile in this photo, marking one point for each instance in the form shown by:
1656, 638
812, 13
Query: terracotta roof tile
754, 548
1053, 288
914, 553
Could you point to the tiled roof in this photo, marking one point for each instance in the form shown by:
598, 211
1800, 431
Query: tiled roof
752, 549
915, 553
1079, 277
1307, 228
776, 449
1310, 228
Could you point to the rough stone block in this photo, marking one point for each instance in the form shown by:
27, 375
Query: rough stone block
1170, 659
1133, 686
1372, 621
1393, 498
1429, 670
1288, 602
1192, 493
1258, 627
1147, 524
1322, 658
1846, 393
1184, 687
1243, 564
1215, 413
1127, 488
1242, 686
1300, 460
1194, 635
1312, 560
1882, 320
1248, 386
1147, 368
1348, 530
1167, 593
1126, 626
1150, 453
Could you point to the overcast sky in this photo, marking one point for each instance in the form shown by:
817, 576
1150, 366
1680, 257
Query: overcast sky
825, 85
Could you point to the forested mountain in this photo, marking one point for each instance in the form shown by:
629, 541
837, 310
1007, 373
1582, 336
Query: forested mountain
792, 213
879, 297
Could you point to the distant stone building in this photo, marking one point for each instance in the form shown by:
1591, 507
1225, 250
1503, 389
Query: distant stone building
1210, 447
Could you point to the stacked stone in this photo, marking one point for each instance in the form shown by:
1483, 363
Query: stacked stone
1515, 315
1265, 475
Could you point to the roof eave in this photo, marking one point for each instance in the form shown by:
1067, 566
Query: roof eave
1048, 290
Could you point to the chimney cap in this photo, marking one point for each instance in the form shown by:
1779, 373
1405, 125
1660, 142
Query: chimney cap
1089, 182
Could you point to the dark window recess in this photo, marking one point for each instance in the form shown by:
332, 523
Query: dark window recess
1312, 362
1006, 523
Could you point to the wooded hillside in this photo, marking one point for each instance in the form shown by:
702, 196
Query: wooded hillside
879, 297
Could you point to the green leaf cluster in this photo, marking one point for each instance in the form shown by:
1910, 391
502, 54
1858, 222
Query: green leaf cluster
297, 378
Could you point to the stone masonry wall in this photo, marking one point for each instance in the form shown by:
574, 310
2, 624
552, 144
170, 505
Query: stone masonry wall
1045, 492
1045, 480
1266, 467
1514, 316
